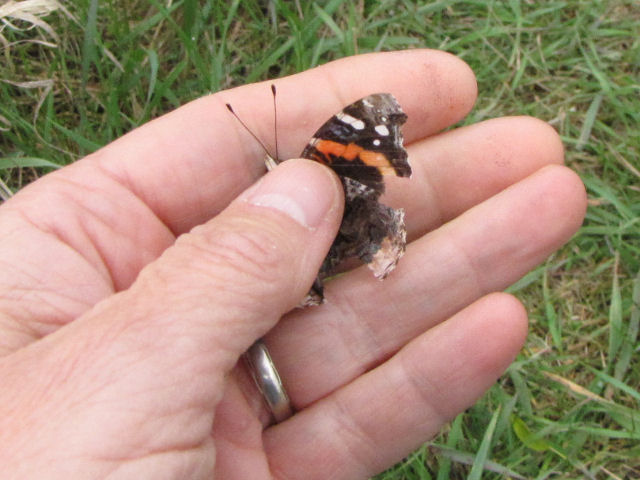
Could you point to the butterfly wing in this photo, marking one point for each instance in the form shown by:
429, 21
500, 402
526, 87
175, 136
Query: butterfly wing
361, 144
363, 141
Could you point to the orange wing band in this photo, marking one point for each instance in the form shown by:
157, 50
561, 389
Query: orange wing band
352, 151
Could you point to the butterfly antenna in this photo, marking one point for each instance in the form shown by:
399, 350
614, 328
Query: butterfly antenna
230, 108
275, 120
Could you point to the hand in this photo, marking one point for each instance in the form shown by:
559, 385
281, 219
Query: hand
120, 342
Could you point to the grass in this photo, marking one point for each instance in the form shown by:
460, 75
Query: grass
76, 78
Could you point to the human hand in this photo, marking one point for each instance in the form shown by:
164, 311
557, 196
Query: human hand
120, 344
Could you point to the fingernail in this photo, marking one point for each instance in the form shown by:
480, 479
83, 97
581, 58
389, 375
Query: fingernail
303, 190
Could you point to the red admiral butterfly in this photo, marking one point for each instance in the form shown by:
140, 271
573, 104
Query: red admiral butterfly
362, 143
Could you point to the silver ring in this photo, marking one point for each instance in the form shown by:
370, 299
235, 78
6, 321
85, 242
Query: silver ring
268, 381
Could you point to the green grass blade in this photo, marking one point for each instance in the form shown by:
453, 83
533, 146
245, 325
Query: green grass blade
551, 316
616, 383
329, 22
189, 15
23, 162
465, 458
270, 60
84, 143
627, 350
153, 74
616, 331
454, 437
483, 450
589, 121
528, 438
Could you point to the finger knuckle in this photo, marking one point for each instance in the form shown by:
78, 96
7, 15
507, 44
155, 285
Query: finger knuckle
250, 252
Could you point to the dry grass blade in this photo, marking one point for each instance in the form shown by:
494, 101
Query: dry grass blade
30, 12
33, 7
5, 192
574, 387
4, 124
23, 16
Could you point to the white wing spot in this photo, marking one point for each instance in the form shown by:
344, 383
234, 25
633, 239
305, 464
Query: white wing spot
377, 142
384, 119
382, 130
349, 120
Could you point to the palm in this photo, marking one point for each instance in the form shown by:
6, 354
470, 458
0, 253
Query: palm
89, 231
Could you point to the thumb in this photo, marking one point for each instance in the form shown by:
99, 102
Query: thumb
257, 259
148, 365
240, 272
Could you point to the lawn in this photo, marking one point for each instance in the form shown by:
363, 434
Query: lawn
73, 77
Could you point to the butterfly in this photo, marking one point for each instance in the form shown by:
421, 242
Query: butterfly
362, 143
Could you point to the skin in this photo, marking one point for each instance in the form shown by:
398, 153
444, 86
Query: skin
120, 341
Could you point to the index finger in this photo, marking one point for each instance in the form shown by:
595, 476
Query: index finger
189, 164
